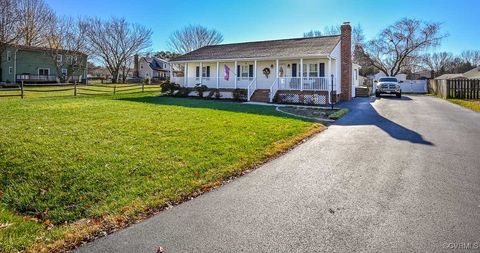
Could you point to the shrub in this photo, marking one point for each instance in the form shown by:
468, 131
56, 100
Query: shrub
239, 95
182, 92
200, 88
169, 87
217, 94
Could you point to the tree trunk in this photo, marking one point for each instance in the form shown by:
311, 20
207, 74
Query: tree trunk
115, 76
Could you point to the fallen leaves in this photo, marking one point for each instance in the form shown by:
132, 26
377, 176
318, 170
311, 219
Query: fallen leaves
5, 225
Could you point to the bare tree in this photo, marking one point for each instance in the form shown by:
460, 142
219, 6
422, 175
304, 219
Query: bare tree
358, 36
9, 26
125, 69
36, 18
193, 37
312, 33
399, 44
9, 23
437, 62
115, 41
471, 56
67, 46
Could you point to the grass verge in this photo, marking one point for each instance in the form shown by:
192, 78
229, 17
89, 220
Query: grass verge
73, 168
470, 104
338, 114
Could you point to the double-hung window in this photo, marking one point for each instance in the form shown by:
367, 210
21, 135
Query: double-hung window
9, 55
205, 72
310, 70
313, 70
43, 72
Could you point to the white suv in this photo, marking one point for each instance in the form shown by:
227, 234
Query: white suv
388, 85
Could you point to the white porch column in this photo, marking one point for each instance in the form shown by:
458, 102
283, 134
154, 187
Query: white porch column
329, 66
218, 71
255, 70
235, 68
276, 68
185, 75
171, 71
301, 74
200, 73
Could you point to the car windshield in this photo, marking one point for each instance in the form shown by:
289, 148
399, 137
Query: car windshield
388, 79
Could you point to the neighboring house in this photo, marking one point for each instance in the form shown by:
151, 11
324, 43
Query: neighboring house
98, 72
152, 68
35, 65
473, 74
450, 76
400, 77
300, 70
420, 75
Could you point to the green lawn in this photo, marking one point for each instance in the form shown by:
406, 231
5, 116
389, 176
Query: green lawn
470, 104
112, 159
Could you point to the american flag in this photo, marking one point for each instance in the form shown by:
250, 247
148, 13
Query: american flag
226, 76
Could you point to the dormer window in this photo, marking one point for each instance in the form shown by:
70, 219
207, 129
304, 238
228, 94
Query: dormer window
59, 58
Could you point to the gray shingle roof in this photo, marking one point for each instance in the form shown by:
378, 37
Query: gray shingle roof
450, 76
314, 46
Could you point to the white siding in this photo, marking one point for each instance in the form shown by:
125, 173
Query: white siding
144, 70
336, 54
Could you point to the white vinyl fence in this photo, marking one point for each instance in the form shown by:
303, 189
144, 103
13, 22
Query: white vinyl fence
414, 86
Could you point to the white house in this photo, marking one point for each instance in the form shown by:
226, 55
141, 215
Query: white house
300, 70
152, 68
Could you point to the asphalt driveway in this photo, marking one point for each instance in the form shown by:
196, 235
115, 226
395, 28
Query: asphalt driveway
393, 175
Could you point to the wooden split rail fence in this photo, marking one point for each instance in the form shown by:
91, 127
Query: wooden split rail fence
21, 89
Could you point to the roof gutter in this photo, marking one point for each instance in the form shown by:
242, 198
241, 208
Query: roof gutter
257, 58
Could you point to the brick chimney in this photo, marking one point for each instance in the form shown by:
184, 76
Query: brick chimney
136, 66
346, 62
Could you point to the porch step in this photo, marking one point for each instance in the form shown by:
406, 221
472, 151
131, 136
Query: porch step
261, 95
362, 91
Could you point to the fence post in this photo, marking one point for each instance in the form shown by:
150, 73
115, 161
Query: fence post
447, 93
75, 88
143, 87
331, 92
21, 89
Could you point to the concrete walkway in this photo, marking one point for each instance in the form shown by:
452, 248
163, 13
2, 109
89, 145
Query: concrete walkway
393, 175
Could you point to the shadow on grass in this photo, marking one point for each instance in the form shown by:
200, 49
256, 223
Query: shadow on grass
363, 113
223, 105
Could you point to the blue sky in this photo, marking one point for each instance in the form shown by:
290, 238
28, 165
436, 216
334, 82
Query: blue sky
250, 20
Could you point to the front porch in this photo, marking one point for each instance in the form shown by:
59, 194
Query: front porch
272, 77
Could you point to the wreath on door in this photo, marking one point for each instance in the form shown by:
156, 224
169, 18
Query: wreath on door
266, 72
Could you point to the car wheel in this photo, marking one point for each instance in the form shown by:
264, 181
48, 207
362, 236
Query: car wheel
377, 94
399, 95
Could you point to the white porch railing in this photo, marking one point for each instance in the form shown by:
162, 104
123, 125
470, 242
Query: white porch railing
214, 82
251, 88
309, 83
274, 89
